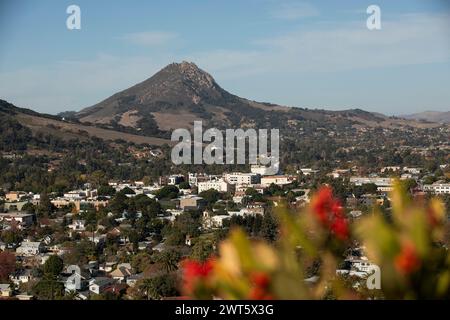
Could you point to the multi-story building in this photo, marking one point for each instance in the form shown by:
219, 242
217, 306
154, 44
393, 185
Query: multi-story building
218, 184
195, 178
383, 184
437, 188
278, 180
239, 178
23, 220
175, 179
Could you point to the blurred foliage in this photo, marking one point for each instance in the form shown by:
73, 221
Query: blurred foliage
410, 249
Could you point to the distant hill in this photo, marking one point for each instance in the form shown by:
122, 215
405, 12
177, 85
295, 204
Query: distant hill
431, 116
178, 95
181, 92
55, 126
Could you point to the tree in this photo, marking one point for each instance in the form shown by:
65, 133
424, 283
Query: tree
169, 259
141, 261
184, 185
141, 201
188, 223
106, 190
53, 266
7, 265
48, 288
11, 236
202, 250
127, 190
211, 196
168, 192
153, 209
251, 192
45, 207
119, 203
147, 285
28, 208
269, 227
409, 184
158, 287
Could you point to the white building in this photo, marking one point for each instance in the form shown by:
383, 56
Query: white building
278, 180
383, 184
390, 168
195, 178
239, 178
99, 284
437, 188
412, 170
339, 173
78, 225
261, 170
307, 171
28, 248
213, 222
23, 220
219, 185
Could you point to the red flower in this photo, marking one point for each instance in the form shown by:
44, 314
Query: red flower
261, 282
330, 212
195, 272
260, 279
407, 261
322, 203
340, 228
258, 293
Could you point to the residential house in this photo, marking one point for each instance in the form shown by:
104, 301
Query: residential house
133, 279
29, 248
5, 290
78, 225
100, 284
192, 202
21, 276
77, 278
14, 196
21, 220
122, 272
210, 221
108, 266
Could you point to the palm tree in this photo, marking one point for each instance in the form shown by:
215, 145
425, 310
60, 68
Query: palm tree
71, 295
148, 286
169, 260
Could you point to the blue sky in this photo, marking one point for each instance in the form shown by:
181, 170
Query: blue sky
315, 54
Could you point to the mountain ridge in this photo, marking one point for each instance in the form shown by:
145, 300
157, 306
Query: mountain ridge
181, 93
430, 116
